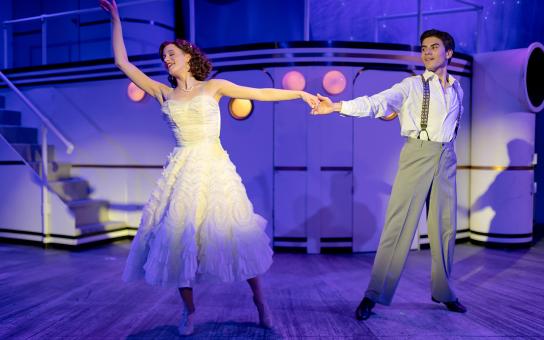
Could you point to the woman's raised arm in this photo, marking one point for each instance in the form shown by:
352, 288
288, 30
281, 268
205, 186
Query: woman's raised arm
154, 88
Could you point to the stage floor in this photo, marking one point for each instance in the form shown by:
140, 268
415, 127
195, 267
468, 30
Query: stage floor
48, 294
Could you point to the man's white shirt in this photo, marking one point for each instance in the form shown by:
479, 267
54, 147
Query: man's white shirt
406, 99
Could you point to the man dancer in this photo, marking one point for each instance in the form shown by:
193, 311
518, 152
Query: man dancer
429, 108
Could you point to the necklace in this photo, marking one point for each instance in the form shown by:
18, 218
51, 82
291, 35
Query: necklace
189, 89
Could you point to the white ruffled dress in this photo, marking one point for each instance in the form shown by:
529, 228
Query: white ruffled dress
199, 222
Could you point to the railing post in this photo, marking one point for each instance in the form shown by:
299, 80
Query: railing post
478, 28
45, 192
419, 20
306, 20
192, 19
111, 43
5, 29
376, 29
44, 41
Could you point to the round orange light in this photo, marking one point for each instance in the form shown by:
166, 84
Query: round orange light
240, 109
135, 93
293, 80
334, 82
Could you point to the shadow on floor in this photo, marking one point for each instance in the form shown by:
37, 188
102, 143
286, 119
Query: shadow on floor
210, 330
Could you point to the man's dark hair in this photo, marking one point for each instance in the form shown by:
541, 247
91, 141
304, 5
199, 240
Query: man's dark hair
445, 37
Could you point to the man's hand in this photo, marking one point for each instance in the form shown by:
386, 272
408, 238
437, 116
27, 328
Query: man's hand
325, 106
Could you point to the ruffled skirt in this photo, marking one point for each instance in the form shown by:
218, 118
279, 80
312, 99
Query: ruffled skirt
198, 223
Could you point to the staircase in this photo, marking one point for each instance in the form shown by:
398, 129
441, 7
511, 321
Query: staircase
91, 216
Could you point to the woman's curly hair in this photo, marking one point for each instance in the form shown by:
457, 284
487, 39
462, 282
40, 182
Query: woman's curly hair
199, 65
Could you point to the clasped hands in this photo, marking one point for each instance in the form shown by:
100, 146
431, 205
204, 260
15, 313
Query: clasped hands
319, 104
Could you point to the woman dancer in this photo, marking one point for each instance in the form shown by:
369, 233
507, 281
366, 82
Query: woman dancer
199, 221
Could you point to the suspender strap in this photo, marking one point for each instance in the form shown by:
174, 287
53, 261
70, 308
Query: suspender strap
425, 108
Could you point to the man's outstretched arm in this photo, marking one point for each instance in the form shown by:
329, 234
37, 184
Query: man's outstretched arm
378, 105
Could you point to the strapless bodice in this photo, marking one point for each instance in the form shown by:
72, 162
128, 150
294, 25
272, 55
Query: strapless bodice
195, 120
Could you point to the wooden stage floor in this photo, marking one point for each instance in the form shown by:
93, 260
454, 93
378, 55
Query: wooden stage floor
58, 294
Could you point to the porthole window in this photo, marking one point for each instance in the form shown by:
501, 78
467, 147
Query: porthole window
240, 109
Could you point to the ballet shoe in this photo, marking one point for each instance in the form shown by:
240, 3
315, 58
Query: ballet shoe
186, 326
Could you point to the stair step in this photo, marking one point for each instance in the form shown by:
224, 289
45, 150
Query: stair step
2, 102
89, 229
19, 134
9, 117
71, 189
33, 152
55, 171
87, 211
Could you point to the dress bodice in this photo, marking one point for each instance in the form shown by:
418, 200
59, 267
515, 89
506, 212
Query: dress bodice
195, 120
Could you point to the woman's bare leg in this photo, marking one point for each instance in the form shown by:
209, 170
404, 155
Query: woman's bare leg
265, 319
255, 284
186, 323
187, 297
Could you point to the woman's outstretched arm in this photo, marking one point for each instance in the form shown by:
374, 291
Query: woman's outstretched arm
229, 89
150, 86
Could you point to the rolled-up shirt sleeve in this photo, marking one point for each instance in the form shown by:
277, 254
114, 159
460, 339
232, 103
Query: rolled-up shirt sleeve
379, 105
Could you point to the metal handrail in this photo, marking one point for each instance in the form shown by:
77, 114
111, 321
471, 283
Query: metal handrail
45, 127
79, 11
44, 17
41, 116
472, 7
428, 13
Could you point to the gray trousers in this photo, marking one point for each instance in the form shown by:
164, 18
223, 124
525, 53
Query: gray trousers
423, 166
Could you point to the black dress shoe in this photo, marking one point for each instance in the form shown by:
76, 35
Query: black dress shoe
454, 306
365, 309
